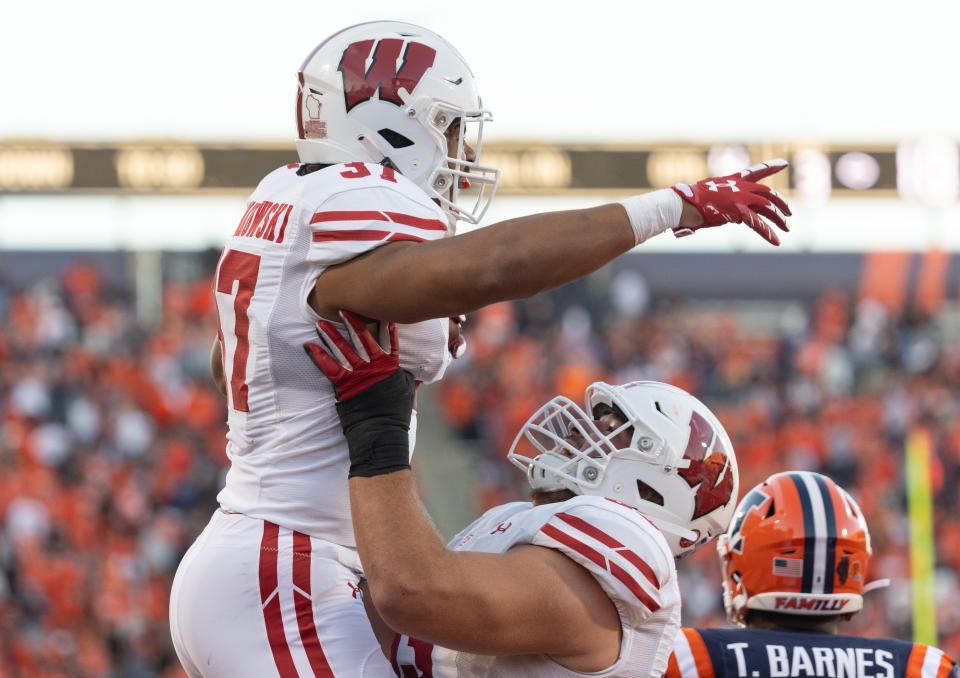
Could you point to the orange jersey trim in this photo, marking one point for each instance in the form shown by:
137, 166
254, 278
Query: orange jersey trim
701, 658
918, 658
946, 666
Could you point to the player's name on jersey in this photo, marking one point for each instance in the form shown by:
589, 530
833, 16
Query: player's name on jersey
265, 220
780, 661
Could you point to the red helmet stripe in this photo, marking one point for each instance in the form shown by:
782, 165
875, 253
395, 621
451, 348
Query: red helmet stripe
300, 106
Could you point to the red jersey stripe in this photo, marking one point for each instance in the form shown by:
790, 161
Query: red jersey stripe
589, 529
304, 607
405, 236
326, 236
417, 222
575, 544
371, 215
422, 658
634, 587
319, 217
394, 647
596, 557
272, 616
641, 565
609, 541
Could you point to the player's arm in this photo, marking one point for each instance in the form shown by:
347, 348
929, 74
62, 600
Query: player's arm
216, 366
485, 603
410, 282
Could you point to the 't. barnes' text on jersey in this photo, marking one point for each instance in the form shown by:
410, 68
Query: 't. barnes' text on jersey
755, 653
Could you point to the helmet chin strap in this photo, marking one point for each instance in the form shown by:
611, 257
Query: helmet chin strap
375, 151
670, 528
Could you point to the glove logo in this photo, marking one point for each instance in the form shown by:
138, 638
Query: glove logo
709, 467
361, 82
715, 187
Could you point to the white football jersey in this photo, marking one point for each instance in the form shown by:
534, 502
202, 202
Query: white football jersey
288, 456
625, 553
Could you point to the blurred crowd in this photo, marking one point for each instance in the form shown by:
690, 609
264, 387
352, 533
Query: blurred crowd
112, 437
111, 453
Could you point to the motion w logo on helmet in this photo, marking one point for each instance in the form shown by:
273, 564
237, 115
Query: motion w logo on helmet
361, 82
709, 464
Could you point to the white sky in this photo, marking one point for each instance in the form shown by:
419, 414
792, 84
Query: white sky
617, 71
601, 70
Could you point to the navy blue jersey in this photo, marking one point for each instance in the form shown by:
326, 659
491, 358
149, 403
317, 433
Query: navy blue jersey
755, 653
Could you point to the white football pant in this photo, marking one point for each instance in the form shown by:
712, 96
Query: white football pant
252, 599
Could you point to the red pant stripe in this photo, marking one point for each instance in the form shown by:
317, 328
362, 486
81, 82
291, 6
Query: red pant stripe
304, 606
272, 616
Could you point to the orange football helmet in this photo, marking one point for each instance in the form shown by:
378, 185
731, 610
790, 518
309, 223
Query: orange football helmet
797, 544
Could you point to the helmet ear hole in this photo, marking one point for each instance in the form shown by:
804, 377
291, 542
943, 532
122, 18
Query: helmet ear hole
648, 493
394, 138
772, 510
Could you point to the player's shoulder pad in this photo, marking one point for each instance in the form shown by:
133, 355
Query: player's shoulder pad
344, 192
353, 176
627, 555
492, 516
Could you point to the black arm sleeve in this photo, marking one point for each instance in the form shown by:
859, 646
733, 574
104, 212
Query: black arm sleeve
376, 423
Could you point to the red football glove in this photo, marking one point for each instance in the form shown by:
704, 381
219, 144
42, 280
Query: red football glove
349, 371
737, 198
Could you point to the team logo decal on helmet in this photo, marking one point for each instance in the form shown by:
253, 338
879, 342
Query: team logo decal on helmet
669, 458
708, 460
361, 83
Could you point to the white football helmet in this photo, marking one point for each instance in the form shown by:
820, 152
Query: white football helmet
386, 92
679, 469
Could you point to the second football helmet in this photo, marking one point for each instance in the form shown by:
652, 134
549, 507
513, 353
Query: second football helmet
798, 544
387, 92
673, 462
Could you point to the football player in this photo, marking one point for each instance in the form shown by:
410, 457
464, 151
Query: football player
389, 131
794, 564
579, 582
